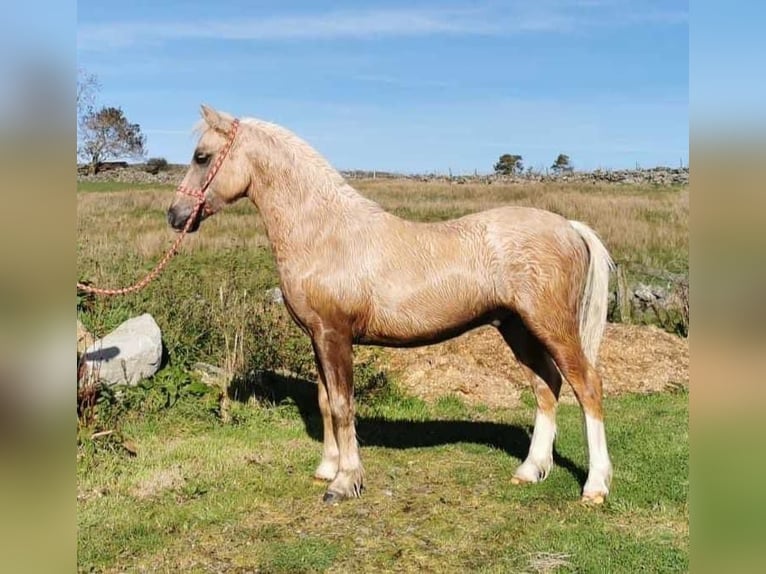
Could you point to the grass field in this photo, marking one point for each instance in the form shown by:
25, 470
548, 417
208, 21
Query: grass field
165, 484
200, 495
643, 226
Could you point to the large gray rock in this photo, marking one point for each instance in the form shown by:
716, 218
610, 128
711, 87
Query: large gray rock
133, 351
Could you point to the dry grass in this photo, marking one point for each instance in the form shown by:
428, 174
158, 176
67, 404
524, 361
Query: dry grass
544, 562
158, 482
642, 226
112, 226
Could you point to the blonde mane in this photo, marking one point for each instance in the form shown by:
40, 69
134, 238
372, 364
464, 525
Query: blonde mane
310, 167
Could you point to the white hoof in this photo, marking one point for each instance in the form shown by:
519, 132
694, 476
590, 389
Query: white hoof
596, 487
532, 471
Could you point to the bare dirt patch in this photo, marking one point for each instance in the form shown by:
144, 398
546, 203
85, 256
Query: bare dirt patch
479, 368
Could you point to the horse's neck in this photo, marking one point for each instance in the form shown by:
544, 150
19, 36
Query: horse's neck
298, 212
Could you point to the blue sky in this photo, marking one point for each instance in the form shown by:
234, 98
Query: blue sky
728, 86
406, 86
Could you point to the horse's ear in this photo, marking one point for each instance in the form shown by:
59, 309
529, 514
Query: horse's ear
219, 121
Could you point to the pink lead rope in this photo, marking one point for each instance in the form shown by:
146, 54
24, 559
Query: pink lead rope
199, 194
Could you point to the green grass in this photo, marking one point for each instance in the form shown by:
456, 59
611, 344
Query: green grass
201, 495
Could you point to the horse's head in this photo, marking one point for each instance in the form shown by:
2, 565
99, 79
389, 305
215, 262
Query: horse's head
215, 177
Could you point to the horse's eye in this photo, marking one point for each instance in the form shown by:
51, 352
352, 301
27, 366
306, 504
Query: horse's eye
201, 158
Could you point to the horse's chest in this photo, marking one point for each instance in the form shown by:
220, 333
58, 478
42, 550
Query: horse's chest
313, 298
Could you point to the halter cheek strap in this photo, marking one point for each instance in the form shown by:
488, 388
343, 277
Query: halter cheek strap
199, 194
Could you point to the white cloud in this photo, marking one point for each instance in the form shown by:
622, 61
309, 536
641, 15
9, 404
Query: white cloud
359, 24
546, 16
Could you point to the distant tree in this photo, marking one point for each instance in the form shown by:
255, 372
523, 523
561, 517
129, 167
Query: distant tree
562, 164
154, 165
509, 164
87, 86
107, 134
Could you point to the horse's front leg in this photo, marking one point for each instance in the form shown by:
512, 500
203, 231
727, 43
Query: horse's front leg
332, 347
328, 467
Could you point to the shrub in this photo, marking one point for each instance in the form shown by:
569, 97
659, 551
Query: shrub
509, 164
156, 164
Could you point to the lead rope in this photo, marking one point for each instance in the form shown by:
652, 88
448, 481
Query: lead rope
200, 195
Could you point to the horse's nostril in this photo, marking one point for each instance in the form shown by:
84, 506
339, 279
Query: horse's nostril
174, 220
179, 219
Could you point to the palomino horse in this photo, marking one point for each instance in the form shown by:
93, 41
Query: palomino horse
352, 273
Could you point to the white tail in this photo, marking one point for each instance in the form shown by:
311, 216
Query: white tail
595, 298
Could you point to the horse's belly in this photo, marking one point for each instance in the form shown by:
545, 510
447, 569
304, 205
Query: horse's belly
428, 316
399, 333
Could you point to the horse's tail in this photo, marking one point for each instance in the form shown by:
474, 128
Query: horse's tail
595, 298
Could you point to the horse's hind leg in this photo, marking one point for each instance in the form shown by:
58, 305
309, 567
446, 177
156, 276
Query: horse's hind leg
586, 383
546, 384
563, 343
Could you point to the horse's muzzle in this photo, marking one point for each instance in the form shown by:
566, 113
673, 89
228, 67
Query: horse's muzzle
178, 218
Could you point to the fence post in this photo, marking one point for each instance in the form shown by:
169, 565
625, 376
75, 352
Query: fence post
624, 296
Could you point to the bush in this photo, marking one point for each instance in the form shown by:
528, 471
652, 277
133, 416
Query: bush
509, 164
156, 164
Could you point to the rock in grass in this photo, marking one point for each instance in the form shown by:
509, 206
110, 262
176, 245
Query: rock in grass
274, 295
133, 351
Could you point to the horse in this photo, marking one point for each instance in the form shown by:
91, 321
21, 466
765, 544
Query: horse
352, 273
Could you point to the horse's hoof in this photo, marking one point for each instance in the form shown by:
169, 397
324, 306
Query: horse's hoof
593, 498
516, 480
331, 497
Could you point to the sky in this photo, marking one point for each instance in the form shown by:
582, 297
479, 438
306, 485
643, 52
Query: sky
728, 46
407, 86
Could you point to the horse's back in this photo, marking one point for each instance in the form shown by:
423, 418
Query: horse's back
398, 280
516, 219
433, 278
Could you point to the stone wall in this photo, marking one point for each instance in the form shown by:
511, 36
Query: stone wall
660, 176
137, 174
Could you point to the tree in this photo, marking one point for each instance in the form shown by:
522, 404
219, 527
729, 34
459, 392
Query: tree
107, 133
509, 164
155, 165
87, 86
562, 164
